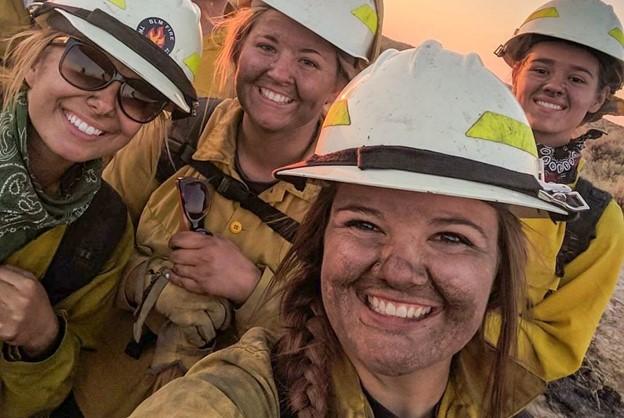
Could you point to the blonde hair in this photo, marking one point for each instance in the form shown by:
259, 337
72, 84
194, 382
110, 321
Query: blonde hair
23, 50
306, 351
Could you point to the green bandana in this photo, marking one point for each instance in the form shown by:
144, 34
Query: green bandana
25, 209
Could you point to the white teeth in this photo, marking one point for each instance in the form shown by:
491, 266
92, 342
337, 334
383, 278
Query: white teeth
275, 97
549, 105
399, 310
82, 125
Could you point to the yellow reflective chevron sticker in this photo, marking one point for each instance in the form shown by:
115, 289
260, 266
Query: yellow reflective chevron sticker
367, 15
500, 128
119, 3
192, 62
540, 14
618, 35
338, 114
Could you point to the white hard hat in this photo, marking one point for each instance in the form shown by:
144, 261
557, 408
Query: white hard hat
160, 40
350, 25
591, 23
431, 120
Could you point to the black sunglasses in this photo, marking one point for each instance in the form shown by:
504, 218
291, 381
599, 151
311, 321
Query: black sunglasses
88, 68
194, 201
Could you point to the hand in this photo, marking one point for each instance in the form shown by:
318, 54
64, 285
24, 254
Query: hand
212, 265
27, 319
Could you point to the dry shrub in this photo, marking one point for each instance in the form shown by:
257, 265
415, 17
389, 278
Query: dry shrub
605, 160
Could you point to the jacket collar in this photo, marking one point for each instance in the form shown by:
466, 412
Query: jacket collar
218, 145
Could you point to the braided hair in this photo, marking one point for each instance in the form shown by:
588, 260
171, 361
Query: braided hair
306, 351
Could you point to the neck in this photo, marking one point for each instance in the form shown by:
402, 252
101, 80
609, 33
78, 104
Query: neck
260, 151
210, 9
45, 165
414, 395
553, 139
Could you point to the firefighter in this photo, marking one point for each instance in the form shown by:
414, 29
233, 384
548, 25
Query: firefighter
195, 292
425, 160
76, 87
567, 63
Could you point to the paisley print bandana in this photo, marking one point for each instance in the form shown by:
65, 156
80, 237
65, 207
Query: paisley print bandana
25, 209
561, 163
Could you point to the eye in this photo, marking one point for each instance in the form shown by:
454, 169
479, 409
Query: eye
265, 47
538, 70
362, 225
577, 80
453, 238
309, 63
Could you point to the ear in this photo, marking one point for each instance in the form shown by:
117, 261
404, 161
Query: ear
601, 97
31, 75
331, 96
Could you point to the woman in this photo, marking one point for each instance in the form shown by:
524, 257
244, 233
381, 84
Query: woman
73, 93
567, 61
289, 63
412, 238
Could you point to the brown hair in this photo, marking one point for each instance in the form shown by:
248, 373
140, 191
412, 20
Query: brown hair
610, 70
305, 352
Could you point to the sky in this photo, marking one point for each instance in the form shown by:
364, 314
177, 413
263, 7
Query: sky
465, 25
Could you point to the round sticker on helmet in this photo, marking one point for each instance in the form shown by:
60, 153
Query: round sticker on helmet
159, 32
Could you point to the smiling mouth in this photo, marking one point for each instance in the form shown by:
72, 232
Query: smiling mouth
82, 126
548, 105
398, 310
274, 96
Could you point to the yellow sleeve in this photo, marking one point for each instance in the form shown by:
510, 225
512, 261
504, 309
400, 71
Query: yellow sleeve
31, 387
13, 18
205, 82
557, 330
234, 382
262, 306
132, 170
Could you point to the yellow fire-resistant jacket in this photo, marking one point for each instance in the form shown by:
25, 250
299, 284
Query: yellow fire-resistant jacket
558, 327
13, 18
161, 217
27, 388
120, 382
239, 382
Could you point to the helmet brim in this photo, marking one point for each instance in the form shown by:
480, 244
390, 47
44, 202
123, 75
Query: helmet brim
521, 204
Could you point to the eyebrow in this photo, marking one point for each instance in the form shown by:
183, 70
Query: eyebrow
454, 220
359, 208
273, 39
442, 220
574, 67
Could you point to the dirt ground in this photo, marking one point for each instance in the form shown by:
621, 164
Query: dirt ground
597, 389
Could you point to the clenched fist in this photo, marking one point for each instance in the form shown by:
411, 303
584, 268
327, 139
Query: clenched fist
27, 319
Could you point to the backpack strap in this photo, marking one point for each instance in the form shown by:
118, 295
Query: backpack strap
232, 189
87, 244
182, 138
581, 231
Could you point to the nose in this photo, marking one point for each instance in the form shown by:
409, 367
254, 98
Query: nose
104, 102
555, 85
403, 266
281, 69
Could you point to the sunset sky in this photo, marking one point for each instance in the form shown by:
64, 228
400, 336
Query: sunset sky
465, 25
